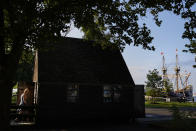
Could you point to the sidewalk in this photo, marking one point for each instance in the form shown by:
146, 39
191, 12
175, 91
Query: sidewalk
141, 124
155, 115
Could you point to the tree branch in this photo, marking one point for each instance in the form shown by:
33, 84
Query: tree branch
2, 43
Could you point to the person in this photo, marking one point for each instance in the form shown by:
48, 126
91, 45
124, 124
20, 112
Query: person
23, 102
24, 97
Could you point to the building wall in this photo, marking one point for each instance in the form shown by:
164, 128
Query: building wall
72, 60
54, 107
139, 101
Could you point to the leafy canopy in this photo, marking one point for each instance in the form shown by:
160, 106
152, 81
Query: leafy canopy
154, 84
109, 22
167, 87
192, 49
154, 80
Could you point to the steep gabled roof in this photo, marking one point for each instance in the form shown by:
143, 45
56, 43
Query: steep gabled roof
74, 60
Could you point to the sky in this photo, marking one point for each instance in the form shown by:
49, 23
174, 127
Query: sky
167, 39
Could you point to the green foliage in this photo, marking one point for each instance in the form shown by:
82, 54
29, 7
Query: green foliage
14, 99
25, 67
154, 84
30, 24
191, 49
182, 120
154, 80
191, 46
14, 94
15, 86
114, 22
167, 87
154, 92
178, 114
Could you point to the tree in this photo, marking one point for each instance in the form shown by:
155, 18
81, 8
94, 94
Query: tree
191, 49
24, 71
27, 24
154, 84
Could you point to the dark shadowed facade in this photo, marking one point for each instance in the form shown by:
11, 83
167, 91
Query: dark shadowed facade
78, 82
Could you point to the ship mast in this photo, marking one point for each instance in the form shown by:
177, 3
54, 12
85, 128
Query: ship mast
164, 71
177, 72
179, 81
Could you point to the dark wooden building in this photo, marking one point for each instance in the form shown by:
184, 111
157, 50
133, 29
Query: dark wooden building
79, 81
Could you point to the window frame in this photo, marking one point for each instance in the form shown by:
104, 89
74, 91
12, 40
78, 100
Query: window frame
72, 93
111, 93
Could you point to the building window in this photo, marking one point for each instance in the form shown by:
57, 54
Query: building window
111, 94
107, 94
117, 90
72, 93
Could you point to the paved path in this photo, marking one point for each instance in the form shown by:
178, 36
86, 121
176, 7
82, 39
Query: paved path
155, 114
142, 124
122, 127
158, 112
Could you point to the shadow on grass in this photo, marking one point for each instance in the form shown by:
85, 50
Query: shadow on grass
176, 125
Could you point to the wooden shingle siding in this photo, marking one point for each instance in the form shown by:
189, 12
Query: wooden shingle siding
76, 61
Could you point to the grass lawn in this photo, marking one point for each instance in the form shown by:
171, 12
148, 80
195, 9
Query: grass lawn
177, 124
169, 104
14, 97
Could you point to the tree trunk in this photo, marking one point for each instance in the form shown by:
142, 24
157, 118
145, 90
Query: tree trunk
5, 92
8, 67
5, 100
